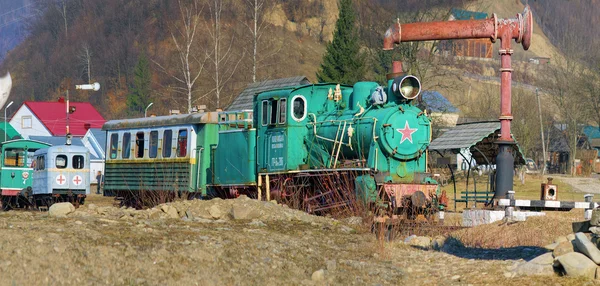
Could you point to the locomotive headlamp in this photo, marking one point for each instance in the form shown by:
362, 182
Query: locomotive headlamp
408, 86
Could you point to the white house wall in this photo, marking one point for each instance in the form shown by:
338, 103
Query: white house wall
37, 128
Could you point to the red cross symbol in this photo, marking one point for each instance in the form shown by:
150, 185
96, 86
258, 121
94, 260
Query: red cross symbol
60, 179
77, 180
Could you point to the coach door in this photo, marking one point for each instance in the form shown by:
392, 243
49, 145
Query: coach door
275, 143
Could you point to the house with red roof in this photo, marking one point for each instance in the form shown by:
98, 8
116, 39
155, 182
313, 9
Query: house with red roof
48, 118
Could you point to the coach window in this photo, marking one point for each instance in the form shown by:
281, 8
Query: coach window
298, 108
139, 145
265, 112
153, 144
282, 111
167, 142
114, 143
14, 157
61, 161
126, 147
78, 162
182, 143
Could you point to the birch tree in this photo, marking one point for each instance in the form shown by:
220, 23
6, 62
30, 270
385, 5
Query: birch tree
222, 56
190, 64
85, 59
256, 29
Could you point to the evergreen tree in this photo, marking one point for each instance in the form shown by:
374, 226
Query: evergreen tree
139, 97
343, 61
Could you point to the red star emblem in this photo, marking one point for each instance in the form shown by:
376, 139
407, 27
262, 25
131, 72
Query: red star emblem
406, 133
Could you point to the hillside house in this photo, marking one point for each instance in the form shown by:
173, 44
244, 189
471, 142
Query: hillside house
48, 118
473, 48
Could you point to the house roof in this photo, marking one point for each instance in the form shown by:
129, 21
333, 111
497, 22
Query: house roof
459, 14
11, 132
436, 102
245, 99
592, 132
479, 137
53, 117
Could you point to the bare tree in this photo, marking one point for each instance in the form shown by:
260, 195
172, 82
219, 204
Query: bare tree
85, 59
221, 56
256, 28
189, 64
63, 13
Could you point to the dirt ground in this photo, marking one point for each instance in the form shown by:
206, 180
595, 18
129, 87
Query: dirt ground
272, 245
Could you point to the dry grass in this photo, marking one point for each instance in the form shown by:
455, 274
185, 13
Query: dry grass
535, 231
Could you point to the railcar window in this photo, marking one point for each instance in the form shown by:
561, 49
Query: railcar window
282, 110
153, 144
40, 163
265, 112
126, 148
114, 144
167, 142
299, 108
61, 161
30, 157
78, 162
139, 145
182, 143
14, 157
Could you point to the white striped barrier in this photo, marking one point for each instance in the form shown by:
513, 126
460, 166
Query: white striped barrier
510, 203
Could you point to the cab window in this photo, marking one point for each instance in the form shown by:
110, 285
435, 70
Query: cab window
299, 108
282, 111
114, 143
182, 143
265, 112
78, 162
14, 157
61, 161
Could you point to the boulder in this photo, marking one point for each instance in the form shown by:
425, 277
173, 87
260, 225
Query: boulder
576, 264
595, 220
533, 269
571, 237
244, 211
551, 246
170, 211
215, 212
595, 229
561, 239
563, 248
438, 242
318, 275
585, 246
543, 259
61, 209
420, 241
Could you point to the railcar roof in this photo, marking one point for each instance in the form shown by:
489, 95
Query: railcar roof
168, 120
19, 142
62, 149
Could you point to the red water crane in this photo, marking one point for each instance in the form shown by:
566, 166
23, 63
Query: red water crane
520, 29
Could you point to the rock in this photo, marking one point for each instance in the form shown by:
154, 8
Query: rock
215, 212
509, 274
347, 229
61, 209
551, 246
438, 242
577, 265
421, 241
595, 230
595, 220
92, 207
544, 259
244, 211
79, 213
585, 246
563, 248
256, 222
597, 273
455, 277
188, 214
571, 237
318, 275
331, 265
153, 214
170, 211
408, 239
561, 239
354, 220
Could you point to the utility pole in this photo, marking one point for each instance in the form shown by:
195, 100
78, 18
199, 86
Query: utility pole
537, 94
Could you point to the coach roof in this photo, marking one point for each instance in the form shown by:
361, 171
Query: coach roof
157, 121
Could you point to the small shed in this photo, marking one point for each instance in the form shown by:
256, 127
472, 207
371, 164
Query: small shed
245, 100
474, 48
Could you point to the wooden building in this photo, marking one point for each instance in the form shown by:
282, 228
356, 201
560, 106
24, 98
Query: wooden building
474, 48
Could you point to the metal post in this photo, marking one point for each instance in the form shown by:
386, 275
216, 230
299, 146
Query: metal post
67, 112
541, 130
6, 119
267, 188
587, 215
146, 110
509, 211
258, 187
